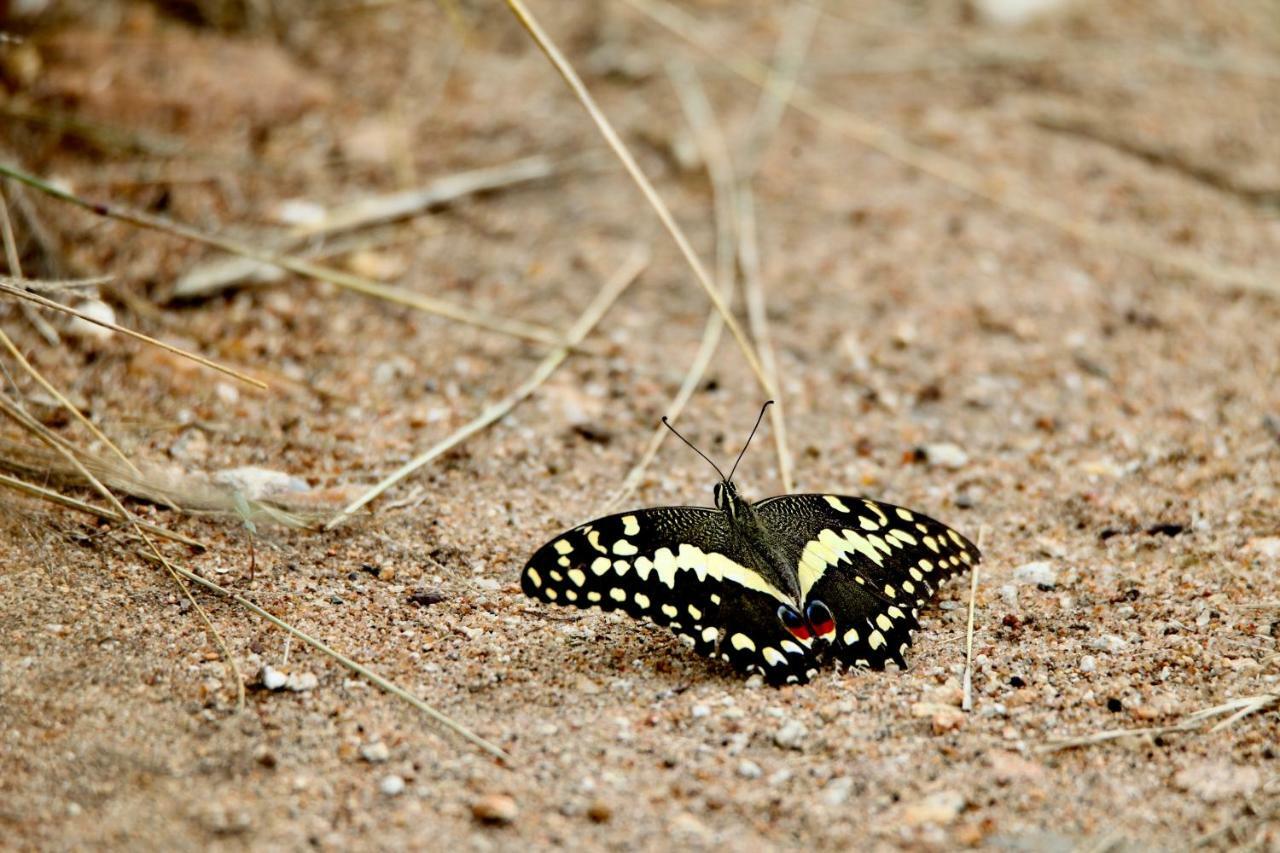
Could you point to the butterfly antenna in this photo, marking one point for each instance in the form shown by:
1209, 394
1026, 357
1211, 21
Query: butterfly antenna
668, 425
767, 404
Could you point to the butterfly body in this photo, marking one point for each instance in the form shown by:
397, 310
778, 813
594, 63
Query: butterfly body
775, 587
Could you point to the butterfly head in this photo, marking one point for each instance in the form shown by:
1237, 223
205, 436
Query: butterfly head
728, 500
816, 622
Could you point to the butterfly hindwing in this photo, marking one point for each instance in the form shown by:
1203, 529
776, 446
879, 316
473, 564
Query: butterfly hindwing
872, 564
680, 567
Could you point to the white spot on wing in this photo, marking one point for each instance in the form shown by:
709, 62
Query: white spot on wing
564, 546
577, 576
835, 502
630, 525
625, 548
534, 577
742, 641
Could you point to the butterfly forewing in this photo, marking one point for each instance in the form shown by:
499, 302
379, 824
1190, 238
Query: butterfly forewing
872, 564
685, 568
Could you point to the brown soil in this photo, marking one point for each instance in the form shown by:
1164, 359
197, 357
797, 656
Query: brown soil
1121, 423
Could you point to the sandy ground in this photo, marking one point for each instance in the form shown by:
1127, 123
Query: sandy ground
1115, 422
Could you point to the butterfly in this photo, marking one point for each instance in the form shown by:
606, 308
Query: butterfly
776, 587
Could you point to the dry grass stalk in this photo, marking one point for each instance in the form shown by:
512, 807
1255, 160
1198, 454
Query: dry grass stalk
347, 281
1008, 191
107, 513
1237, 708
592, 315
210, 278
615, 142
14, 287
966, 703
715, 154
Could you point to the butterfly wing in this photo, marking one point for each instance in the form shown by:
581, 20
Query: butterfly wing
872, 564
680, 567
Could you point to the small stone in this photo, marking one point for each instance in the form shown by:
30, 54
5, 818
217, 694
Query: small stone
272, 678
302, 682
940, 807
698, 712
943, 718
495, 810
1088, 663
1108, 643
749, 770
375, 753
837, 791
791, 735
297, 211
600, 812
94, 309
946, 455
1009, 595
392, 785
1039, 573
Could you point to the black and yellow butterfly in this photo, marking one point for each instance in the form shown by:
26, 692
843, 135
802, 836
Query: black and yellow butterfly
773, 587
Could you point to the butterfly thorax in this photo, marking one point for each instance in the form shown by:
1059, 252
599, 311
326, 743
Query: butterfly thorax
753, 539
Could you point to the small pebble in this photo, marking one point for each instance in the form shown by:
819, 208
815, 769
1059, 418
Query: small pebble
272, 678
791, 735
837, 791
302, 682
375, 753
392, 786
700, 711
1088, 663
946, 455
1108, 643
1040, 573
495, 809
940, 807
749, 770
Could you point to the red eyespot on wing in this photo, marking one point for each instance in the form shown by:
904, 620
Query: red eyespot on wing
825, 627
801, 632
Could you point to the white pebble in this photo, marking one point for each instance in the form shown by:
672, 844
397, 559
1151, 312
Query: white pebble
272, 678
700, 711
375, 753
946, 455
1108, 643
837, 790
1088, 663
791, 735
749, 770
392, 785
1009, 595
302, 682
97, 310
1039, 572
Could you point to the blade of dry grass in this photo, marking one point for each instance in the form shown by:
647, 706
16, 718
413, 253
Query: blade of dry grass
348, 281
1004, 190
210, 278
14, 287
107, 513
615, 142
715, 154
592, 315
361, 670
1237, 708
966, 704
